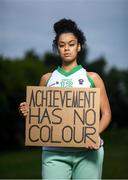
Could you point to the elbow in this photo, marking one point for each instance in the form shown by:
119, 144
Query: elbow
106, 117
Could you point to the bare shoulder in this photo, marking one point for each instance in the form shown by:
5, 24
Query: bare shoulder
44, 79
96, 78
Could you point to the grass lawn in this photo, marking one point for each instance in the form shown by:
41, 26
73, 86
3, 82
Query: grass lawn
116, 154
21, 164
27, 163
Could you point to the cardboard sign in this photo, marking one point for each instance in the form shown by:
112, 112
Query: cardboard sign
65, 117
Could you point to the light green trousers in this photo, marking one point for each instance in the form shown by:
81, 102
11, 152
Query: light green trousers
85, 164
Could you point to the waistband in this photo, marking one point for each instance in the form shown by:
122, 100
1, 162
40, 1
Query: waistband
69, 149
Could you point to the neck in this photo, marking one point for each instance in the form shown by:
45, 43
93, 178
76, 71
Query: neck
68, 66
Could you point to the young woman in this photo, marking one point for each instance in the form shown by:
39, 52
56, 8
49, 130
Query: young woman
73, 163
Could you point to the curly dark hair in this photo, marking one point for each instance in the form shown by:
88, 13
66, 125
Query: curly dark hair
68, 26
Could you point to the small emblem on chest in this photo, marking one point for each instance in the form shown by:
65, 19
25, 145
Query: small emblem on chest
81, 81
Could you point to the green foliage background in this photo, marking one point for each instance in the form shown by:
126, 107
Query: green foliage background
16, 74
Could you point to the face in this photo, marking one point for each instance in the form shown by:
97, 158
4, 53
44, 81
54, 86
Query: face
68, 47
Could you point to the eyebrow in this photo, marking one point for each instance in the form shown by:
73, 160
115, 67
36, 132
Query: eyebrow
74, 40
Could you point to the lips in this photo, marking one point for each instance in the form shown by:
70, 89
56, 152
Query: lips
67, 54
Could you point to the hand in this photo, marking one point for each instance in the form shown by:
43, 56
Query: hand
23, 109
94, 146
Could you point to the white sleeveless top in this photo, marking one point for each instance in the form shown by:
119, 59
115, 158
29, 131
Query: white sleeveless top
77, 77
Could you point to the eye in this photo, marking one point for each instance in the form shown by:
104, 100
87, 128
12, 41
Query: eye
61, 45
72, 44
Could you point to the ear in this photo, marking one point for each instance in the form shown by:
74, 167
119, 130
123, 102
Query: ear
79, 47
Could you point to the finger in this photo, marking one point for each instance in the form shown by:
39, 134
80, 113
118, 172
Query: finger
90, 147
23, 111
23, 108
25, 114
23, 104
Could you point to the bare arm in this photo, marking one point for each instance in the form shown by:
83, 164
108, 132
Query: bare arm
104, 102
23, 107
44, 79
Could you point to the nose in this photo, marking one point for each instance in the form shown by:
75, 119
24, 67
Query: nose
66, 47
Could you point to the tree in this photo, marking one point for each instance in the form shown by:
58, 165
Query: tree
16, 74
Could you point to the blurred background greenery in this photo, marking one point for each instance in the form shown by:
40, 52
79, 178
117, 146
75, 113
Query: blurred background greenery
18, 161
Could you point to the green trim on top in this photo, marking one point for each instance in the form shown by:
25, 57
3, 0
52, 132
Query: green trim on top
75, 69
91, 81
